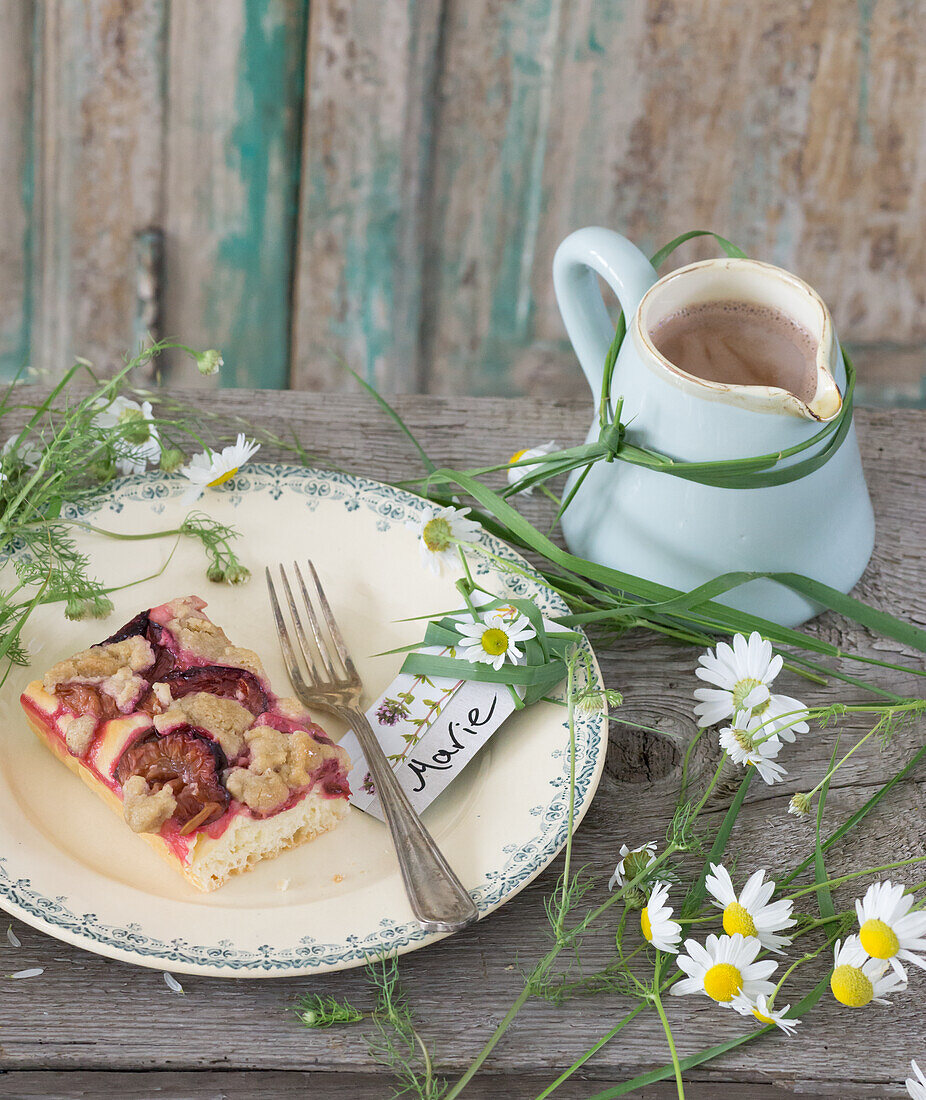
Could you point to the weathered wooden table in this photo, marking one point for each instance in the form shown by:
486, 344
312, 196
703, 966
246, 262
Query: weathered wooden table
92, 1027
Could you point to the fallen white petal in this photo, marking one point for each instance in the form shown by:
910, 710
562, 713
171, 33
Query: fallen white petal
171, 982
13, 939
33, 973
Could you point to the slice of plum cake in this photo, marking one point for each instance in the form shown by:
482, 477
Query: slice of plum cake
178, 730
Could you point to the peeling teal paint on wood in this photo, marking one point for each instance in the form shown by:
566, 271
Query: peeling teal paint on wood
525, 49
249, 302
16, 327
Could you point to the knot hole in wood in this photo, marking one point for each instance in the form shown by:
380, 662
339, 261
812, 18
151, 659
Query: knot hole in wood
653, 755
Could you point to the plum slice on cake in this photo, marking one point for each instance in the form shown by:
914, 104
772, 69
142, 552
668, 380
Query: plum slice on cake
178, 730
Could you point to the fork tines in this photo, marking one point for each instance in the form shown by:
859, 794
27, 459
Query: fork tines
327, 668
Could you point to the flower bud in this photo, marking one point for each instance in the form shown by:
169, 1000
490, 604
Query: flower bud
800, 805
172, 460
209, 361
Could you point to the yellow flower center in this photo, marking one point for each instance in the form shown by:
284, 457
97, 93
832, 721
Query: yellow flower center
737, 919
437, 534
517, 456
744, 739
741, 689
645, 927
851, 986
495, 641
879, 939
722, 982
762, 1017
227, 476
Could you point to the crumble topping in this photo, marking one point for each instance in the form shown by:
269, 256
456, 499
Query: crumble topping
125, 688
101, 663
280, 763
145, 811
225, 719
162, 694
262, 791
78, 732
291, 708
205, 639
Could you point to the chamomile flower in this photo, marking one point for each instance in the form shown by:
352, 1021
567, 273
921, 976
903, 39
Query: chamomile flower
749, 742
29, 453
741, 674
724, 968
632, 862
800, 805
916, 1088
210, 469
516, 474
888, 930
137, 442
764, 1014
656, 922
858, 980
440, 531
752, 913
494, 639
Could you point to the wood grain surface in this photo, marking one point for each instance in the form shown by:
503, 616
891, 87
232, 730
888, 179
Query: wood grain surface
98, 152
234, 93
16, 107
386, 181
93, 1027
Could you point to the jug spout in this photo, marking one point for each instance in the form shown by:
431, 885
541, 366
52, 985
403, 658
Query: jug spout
813, 396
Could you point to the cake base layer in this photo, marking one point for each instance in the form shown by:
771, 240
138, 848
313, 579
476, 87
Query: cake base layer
211, 861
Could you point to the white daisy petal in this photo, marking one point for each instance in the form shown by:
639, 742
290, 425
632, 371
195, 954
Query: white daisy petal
759, 1008
210, 469
440, 532
656, 922
916, 1087
723, 969
750, 914
857, 980
888, 931
628, 869
516, 474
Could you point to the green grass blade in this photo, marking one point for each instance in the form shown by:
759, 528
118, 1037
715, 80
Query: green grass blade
393, 415
858, 816
824, 896
692, 902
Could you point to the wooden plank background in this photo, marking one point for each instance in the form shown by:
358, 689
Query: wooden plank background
384, 182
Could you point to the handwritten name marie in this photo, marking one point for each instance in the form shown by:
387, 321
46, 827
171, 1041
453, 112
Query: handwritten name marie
444, 758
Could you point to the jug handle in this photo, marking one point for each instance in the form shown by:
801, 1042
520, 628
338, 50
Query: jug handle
579, 259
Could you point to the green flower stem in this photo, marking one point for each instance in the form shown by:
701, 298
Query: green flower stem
605, 1039
820, 922
544, 965
496, 1035
657, 1001
710, 787
855, 874
686, 760
835, 767
119, 535
570, 820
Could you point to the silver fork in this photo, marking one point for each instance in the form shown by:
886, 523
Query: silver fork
438, 898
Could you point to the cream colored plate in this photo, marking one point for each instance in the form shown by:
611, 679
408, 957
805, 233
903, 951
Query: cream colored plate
70, 867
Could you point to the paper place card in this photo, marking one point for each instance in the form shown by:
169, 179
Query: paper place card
430, 728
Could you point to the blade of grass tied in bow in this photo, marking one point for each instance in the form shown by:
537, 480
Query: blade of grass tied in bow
616, 438
491, 638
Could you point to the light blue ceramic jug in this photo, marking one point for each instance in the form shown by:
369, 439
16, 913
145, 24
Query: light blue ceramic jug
679, 532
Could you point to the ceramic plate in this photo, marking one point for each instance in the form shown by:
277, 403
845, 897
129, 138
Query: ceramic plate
71, 868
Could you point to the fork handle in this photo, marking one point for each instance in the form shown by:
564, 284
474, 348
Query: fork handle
438, 898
